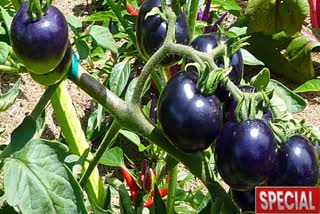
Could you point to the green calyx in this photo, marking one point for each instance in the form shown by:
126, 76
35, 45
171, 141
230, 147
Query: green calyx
37, 8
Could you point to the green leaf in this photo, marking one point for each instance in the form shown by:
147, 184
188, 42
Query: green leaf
130, 89
270, 52
273, 16
238, 31
101, 16
249, 59
261, 80
75, 23
8, 98
103, 37
83, 48
311, 85
299, 51
4, 52
112, 157
125, 200
228, 5
37, 181
119, 77
94, 121
40, 124
293, 102
6, 18
158, 205
133, 137
20, 136
2, 30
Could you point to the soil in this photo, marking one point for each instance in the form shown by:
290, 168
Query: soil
30, 92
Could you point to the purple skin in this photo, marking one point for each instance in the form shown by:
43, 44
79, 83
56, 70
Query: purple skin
246, 155
40, 45
296, 164
190, 120
245, 200
151, 32
206, 43
223, 158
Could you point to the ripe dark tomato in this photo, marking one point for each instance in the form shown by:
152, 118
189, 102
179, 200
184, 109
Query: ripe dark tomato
231, 106
223, 158
245, 200
39, 44
58, 73
190, 120
296, 164
207, 42
151, 31
248, 153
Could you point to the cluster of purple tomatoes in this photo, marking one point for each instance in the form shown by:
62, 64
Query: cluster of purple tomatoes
247, 153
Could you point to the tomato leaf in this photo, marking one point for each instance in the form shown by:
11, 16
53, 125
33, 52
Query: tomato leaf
4, 52
270, 16
83, 48
8, 98
38, 168
112, 157
6, 18
311, 85
261, 80
249, 59
285, 98
103, 37
119, 77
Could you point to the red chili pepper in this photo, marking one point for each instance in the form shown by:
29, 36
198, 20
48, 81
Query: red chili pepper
163, 192
149, 202
133, 11
134, 188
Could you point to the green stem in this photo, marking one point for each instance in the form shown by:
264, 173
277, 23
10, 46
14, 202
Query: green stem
6, 68
116, 10
43, 101
35, 9
173, 180
105, 145
193, 16
234, 90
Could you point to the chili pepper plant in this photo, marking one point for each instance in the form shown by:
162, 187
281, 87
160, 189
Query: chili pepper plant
170, 79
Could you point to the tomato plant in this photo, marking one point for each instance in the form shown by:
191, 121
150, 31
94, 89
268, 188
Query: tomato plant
154, 89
